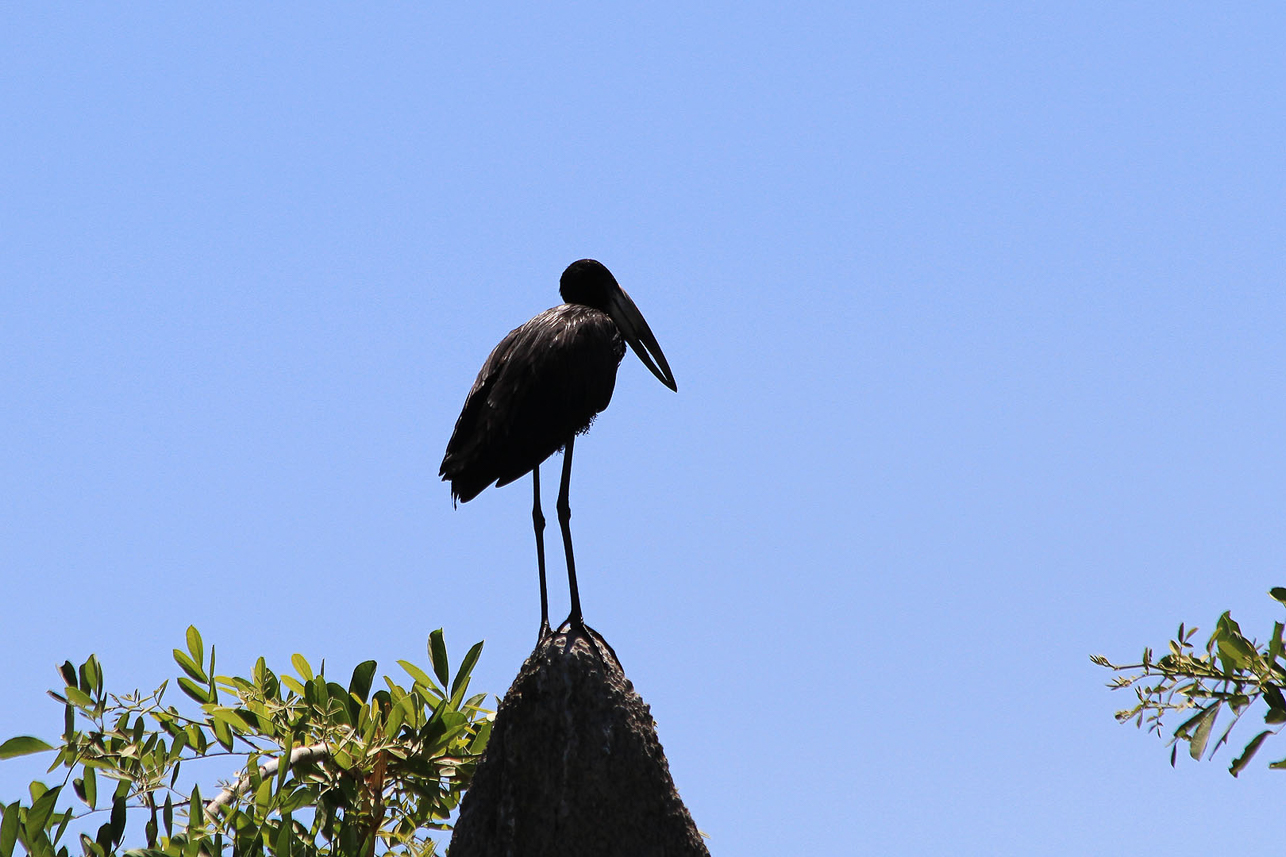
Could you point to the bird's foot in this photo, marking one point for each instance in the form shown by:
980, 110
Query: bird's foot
544, 631
574, 626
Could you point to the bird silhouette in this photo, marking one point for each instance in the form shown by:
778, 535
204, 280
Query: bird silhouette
541, 387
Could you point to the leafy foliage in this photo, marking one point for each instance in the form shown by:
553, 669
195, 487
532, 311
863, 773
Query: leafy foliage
325, 769
1232, 674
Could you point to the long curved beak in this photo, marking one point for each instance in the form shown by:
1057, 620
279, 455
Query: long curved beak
636, 332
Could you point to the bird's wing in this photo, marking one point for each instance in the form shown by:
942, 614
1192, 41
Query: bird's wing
478, 419
540, 385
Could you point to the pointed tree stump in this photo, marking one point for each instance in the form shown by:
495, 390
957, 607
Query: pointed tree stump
573, 767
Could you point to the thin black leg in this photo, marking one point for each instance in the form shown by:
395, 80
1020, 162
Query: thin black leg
564, 521
538, 521
575, 622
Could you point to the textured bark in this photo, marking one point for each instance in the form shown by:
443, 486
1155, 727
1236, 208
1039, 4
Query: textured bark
573, 767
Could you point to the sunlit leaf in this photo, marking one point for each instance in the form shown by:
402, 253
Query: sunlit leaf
9, 830
1235, 652
194, 690
231, 718
196, 811
263, 796
302, 667
190, 667
22, 746
41, 809
418, 675
195, 646
91, 678
222, 733
479, 742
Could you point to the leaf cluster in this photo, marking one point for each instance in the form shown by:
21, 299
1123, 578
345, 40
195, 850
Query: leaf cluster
1231, 673
325, 769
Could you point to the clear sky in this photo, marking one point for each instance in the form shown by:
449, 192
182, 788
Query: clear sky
976, 311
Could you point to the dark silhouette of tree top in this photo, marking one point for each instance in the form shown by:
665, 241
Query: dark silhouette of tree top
573, 766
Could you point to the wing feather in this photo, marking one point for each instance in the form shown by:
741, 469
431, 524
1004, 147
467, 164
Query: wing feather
542, 384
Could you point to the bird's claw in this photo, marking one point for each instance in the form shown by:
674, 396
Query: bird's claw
574, 626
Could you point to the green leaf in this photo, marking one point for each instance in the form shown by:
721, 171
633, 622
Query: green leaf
1243, 760
293, 683
1205, 722
103, 842
91, 787
90, 677
360, 684
190, 667
78, 697
40, 811
118, 818
1236, 652
222, 733
194, 690
466, 667
177, 746
263, 797
418, 675
68, 672
196, 812
438, 655
339, 693
86, 789
396, 717
197, 739
283, 765
65, 815
479, 742
285, 838
23, 745
195, 645
302, 667
1278, 592
9, 830
230, 717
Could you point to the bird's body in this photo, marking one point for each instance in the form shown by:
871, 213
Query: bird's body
539, 388
544, 383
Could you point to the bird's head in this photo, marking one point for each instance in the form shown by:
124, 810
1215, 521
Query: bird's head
589, 283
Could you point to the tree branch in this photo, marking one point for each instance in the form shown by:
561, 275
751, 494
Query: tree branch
268, 769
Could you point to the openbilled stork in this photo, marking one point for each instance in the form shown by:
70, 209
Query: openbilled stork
540, 387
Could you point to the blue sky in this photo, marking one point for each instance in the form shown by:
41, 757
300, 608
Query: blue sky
976, 312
